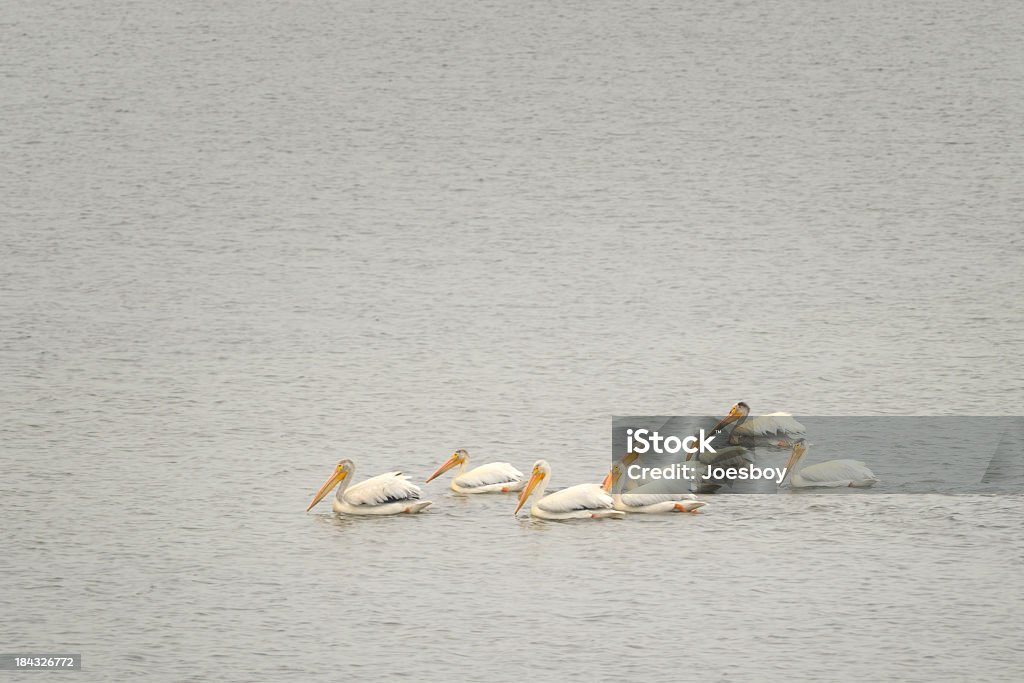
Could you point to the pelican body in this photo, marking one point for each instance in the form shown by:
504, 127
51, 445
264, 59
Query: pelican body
494, 477
582, 501
390, 493
830, 474
634, 500
730, 456
779, 430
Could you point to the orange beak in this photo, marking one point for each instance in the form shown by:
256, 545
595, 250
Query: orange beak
612, 477
530, 486
452, 462
331, 482
727, 420
798, 452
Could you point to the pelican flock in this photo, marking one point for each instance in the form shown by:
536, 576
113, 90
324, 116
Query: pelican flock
392, 493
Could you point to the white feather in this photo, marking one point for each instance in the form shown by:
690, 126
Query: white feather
772, 423
837, 473
636, 500
579, 497
730, 456
491, 473
387, 487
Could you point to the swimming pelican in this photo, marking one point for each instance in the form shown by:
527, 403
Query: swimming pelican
576, 502
724, 458
774, 429
833, 473
636, 501
494, 477
390, 493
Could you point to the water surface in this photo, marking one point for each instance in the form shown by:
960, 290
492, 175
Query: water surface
241, 241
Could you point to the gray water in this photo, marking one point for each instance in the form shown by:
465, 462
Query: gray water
242, 240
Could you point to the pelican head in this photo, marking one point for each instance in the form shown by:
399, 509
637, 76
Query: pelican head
458, 458
799, 448
617, 469
614, 474
541, 471
737, 412
341, 470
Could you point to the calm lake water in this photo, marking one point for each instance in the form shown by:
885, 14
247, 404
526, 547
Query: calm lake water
243, 240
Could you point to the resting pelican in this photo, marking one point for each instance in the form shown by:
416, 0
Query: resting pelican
833, 473
390, 493
773, 429
730, 456
576, 502
493, 477
635, 500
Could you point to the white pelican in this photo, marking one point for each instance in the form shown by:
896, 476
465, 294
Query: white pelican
390, 493
774, 429
833, 473
576, 502
635, 500
494, 477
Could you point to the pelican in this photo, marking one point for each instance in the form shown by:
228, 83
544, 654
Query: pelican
390, 493
832, 474
773, 429
730, 456
494, 477
635, 500
576, 502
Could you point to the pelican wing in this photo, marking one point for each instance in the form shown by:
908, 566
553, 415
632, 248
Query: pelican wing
772, 423
579, 497
837, 472
730, 456
384, 488
660, 490
638, 500
491, 473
